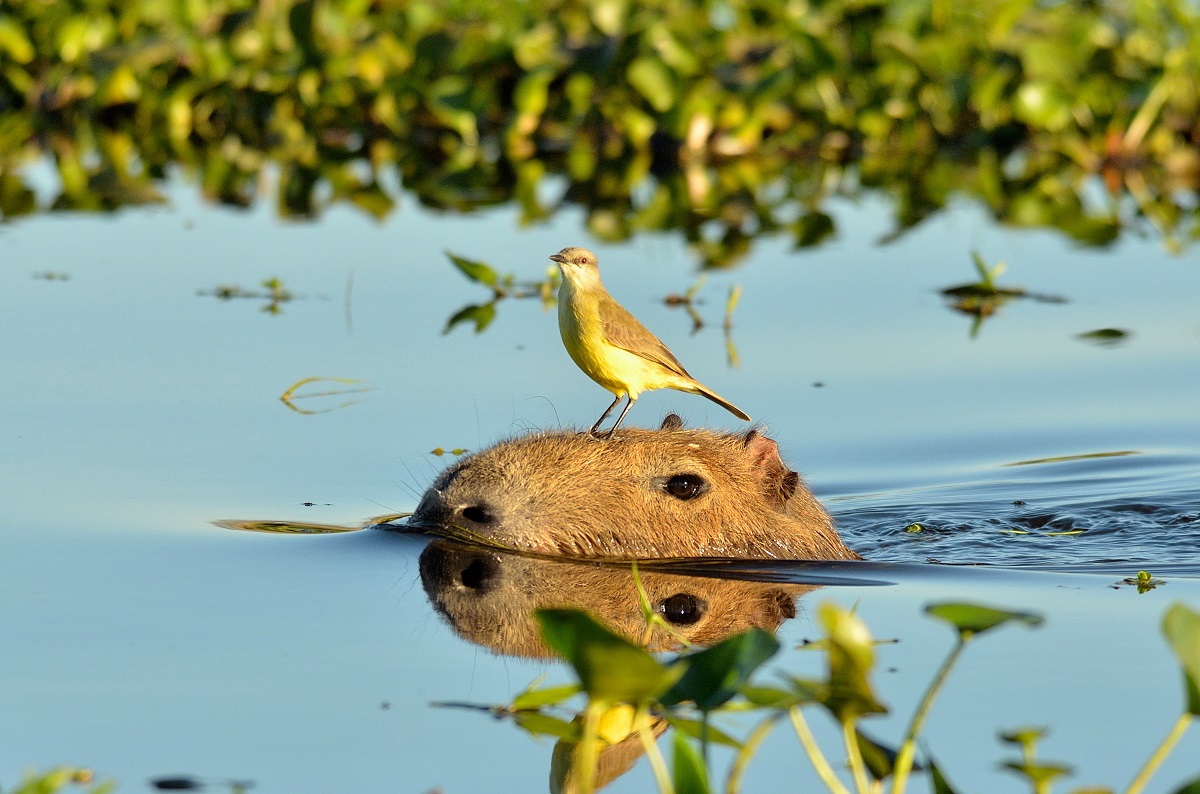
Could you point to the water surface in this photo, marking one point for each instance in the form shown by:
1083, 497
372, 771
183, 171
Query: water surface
143, 640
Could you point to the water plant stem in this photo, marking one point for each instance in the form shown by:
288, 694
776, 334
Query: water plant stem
815, 756
1163, 750
854, 756
904, 759
749, 748
662, 776
589, 747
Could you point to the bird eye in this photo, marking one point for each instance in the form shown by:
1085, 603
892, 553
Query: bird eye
681, 609
685, 487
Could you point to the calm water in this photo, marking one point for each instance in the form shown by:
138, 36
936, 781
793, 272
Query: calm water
141, 640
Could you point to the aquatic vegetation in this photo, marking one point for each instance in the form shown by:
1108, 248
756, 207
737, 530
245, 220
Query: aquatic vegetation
502, 286
273, 292
984, 298
63, 779
721, 121
632, 697
290, 396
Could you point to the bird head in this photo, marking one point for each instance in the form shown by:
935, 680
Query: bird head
577, 264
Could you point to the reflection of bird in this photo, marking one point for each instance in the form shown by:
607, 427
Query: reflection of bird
610, 345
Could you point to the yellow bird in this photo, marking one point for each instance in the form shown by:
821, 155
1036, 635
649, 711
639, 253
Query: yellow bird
610, 345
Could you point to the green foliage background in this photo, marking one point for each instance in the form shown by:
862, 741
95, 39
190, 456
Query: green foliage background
722, 119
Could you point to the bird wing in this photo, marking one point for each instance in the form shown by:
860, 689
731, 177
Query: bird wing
623, 330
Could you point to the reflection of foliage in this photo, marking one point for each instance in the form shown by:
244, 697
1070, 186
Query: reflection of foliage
747, 114
1105, 337
627, 687
275, 294
502, 286
983, 298
290, 396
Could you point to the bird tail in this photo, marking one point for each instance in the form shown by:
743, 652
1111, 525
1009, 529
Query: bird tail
704, 391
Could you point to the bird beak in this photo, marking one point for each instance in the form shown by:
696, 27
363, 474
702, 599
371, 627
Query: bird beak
562, 260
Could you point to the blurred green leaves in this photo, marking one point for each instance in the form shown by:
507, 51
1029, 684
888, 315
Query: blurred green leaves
722, 122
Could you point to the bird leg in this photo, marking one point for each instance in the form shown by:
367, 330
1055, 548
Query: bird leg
604, 415
628, 405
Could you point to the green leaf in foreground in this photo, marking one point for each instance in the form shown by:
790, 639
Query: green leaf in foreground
1192, 787
610, 668
533, 698
851, 655
712, 676
690, 775
1038, 774
701, 731
972, 619
1181, 626
938, 781
879, 758
538, 724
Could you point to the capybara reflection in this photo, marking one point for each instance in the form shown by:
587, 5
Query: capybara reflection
671, 492
489, 598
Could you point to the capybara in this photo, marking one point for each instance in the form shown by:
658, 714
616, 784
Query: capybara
642, 494
490, 597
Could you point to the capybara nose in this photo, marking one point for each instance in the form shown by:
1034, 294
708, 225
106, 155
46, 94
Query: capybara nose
478, 514
445, 567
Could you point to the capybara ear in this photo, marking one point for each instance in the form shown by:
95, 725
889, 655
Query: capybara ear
778, 481
772, 608
672, 422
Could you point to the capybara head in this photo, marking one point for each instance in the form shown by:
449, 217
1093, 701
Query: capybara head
671, 492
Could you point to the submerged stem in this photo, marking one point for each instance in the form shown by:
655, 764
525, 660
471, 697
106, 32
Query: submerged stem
1160, 754
904, 759
814, 753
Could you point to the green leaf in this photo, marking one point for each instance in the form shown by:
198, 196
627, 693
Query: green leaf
549, 696
937, 779
879, 758
1191, 787
475, 271
1106, 337
812, 228
300, 21
702, 732
1181, 626
653, 81
716, 674
1038, 774
482, 316
531, 93
1025, 737
539, 724
769, 697
690, 776
610, 668
971, 619
851, 656
14, 42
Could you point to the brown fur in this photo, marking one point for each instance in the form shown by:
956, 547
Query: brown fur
567, 493
489, 598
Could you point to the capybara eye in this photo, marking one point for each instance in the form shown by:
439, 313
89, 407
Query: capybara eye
686, 486
682, 609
